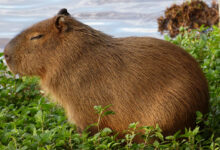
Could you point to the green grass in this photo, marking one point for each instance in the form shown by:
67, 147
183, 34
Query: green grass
28, 120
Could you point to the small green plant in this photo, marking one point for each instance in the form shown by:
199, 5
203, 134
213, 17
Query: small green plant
129, 137
101, 113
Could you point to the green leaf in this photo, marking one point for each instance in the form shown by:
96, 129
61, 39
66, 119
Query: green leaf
98, 109
106, 131
156, 144
20, 87
60, 142
109, 113
106, 107
159, 135
196, 131
39, 116
11, 146
133, 125
170, 137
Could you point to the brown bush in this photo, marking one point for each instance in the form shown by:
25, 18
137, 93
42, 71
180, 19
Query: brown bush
191, 15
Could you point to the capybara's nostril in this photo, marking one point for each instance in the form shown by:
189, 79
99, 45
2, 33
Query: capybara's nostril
7, 58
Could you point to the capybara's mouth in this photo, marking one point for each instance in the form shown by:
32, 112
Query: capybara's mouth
12, 63
12, 67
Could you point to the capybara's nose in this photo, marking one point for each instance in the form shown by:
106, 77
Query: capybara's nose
7, 54
7, 57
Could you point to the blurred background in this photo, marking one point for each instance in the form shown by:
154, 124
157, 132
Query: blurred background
118, 18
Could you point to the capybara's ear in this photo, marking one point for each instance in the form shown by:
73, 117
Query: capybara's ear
61, 23
63, 12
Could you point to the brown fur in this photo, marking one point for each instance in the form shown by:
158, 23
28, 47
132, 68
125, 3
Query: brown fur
145, 79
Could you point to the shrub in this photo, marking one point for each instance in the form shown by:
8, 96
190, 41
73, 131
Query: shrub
191, 14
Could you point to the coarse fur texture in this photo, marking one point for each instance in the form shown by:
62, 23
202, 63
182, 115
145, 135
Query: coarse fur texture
146, 80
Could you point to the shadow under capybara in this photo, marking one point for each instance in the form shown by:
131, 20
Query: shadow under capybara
146, 80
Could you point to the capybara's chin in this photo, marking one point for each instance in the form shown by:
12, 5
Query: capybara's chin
12, 66
146, 80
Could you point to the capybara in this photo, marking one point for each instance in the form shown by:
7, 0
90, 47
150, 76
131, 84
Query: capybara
145, 79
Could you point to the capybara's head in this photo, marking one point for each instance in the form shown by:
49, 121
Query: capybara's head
29, 52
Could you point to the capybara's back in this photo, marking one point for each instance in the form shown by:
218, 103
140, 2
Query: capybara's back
146, 80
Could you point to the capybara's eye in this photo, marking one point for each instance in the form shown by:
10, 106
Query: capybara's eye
37, 37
